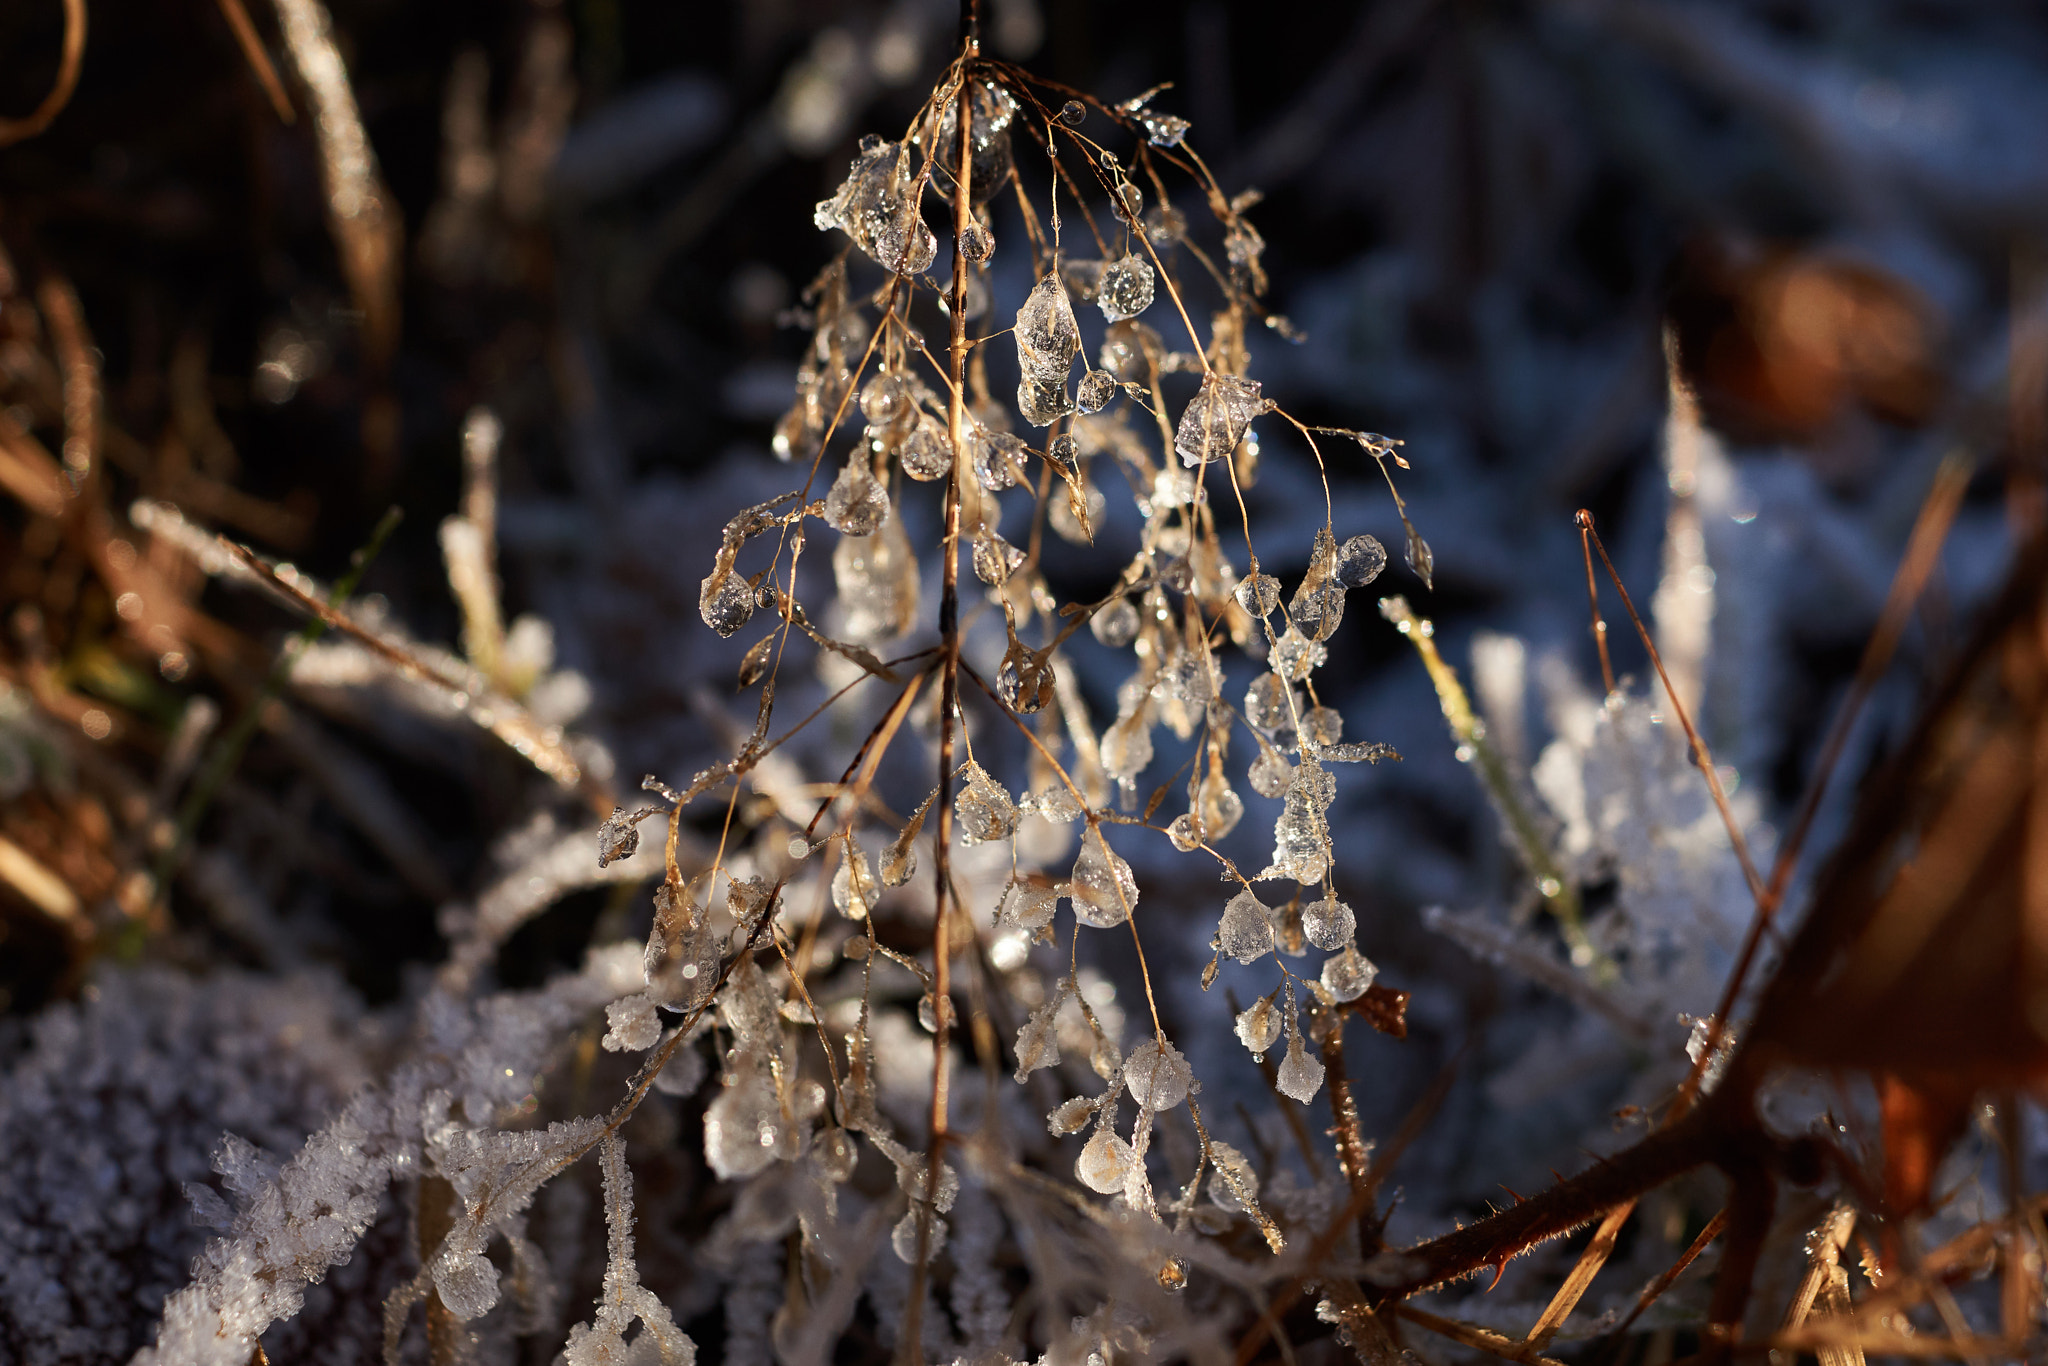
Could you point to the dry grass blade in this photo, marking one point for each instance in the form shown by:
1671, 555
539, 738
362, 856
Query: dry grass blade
259, 59
538, 744
361, 212
1581, 1278
1472, 1335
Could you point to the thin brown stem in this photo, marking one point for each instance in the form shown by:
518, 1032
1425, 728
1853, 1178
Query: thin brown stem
949, 696
15, 130
1593, 604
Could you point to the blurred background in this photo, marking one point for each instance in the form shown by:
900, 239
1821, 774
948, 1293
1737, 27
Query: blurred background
1504, 232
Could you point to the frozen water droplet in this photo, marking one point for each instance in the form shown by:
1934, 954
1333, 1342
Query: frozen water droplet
1328, 923
1324, 725
1222, 808
1126, 289
927, 453
725, 601
1217, 418
1259, 594
977, 244
1181, 830
1166, 225
1104, 1163
1098, 387
1246, 930
1300, 1075
1048, 339
983, 808
1115, 625
854, 892
1313, 785
1038, 1041
1056, 803
1163, 130
1420, 559
1359, 561
1258, 1026
1072, 113
997, 458
1158, 1078
995, 559
617, 838
1267, 705
1295, 656
885, 400
1104, 890
877, 208
466, 1282
798, 848
1347, 974
1317, 608
1071, 1116
1026, 907
903, 1238
857, 503
1125, 346
837, 1154
1173, 1274
1270, 774
736, 1123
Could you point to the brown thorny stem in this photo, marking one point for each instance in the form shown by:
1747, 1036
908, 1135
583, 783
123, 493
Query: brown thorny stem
949, 692
1721, 1129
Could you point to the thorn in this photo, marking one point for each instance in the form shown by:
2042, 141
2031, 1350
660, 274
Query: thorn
1500, 1269
1519, 1197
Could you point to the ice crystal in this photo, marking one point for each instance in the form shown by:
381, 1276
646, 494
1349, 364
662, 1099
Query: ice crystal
1328, 923
1125, 290
1270, 774
1300, 1075
877, 208
1027, 907
857, 504
1097, 388
1296, 657
1104, 890
1104, 1163
1217, 418
1267, 704
1117, 624
1359, 561
1348, 973
1038, 1043
1070, 1116
1158, 1076
983, 808
1258, 1026
977, 243
1246, 930
854, 891
1259, 594
1048, 339
926, 452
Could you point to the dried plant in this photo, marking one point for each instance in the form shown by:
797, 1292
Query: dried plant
865, 986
